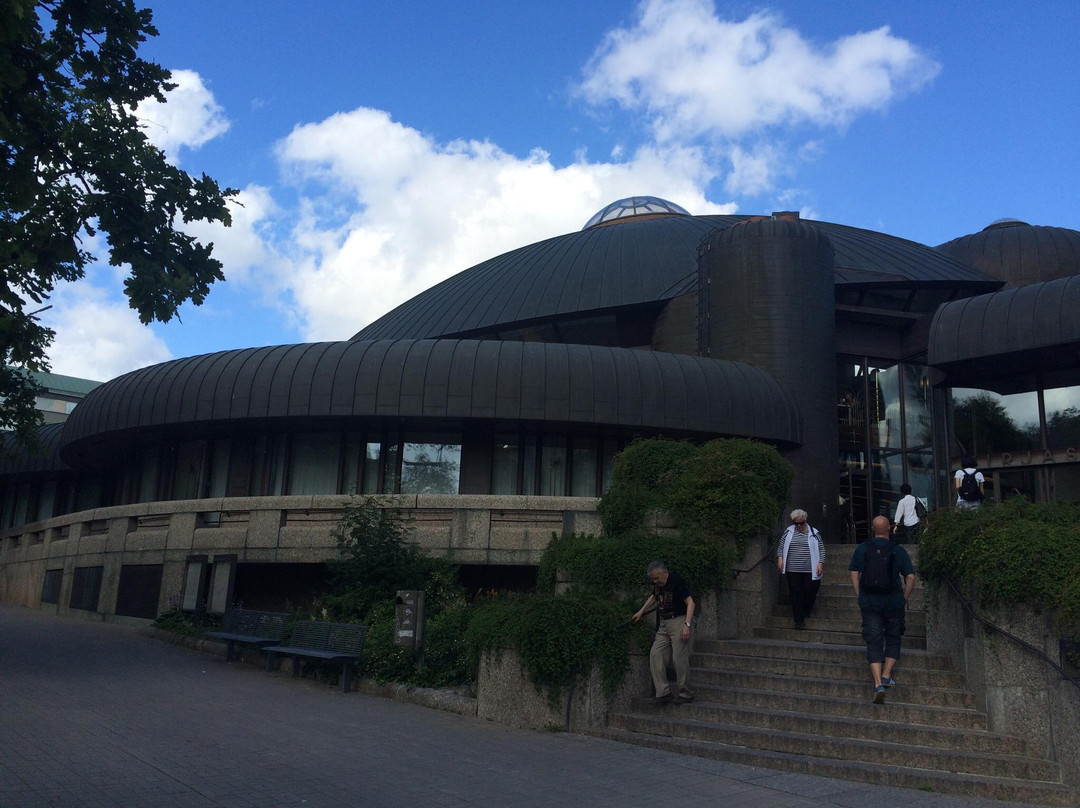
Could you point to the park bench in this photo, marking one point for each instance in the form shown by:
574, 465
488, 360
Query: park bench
331, 642
250, 628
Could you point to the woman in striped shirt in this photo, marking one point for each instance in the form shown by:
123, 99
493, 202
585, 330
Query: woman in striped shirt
800, 557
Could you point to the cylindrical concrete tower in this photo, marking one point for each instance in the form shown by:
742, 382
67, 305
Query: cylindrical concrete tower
767, 297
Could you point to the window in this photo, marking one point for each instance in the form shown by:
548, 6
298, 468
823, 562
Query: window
431, 466
372, 457
50, 587
504, 465
583, 471
313, 466
268, 477
86, 588
188, 474
553, 467
1062, 406
986, 422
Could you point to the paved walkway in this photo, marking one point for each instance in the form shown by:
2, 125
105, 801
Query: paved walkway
101, 715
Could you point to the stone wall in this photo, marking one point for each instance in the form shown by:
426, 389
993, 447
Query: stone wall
466, 529
505, 693
1022, 695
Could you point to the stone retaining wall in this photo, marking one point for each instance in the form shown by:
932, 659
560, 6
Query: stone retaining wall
1022, 695
466, 529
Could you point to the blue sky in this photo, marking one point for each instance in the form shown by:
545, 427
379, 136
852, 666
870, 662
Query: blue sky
381, 147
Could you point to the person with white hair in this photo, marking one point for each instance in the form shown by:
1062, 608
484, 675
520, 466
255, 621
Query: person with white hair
800, 557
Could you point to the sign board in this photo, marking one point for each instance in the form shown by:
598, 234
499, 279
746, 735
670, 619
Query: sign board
409, 616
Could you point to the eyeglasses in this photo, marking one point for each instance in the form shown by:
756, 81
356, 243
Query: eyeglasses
799, 523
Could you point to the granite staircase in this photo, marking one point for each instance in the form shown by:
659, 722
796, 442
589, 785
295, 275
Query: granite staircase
802, 701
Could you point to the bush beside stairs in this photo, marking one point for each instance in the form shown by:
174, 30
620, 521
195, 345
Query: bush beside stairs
801, 701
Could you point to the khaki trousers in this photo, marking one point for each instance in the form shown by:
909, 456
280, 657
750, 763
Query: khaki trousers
668, 646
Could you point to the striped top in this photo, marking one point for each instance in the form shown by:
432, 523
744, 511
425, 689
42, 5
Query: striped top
798, 559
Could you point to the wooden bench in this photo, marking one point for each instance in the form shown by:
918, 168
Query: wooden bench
332, 642
250, 628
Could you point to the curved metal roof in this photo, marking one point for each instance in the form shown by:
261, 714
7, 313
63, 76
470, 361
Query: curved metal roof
1019, 253
445, 379
1002, 340
633, 262
16, 458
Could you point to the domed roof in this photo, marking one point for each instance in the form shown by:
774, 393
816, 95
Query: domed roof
632, 206
1019, 253
438, 379
16, 458
645, 259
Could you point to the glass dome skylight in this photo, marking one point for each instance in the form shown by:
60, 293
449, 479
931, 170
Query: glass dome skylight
635, 206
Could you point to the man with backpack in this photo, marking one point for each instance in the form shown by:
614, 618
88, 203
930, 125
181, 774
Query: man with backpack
907, 524
970, 485
877, 567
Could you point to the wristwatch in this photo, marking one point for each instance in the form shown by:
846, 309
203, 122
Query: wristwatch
687, 625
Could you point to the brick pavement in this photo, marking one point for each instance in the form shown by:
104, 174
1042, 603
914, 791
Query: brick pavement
100, 715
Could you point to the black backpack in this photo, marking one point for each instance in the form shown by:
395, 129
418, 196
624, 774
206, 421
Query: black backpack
879, 571
969, 488
920, 509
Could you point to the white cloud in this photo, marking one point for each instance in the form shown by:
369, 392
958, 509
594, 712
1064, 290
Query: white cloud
98, 337
189, 117
389, 212
695, 74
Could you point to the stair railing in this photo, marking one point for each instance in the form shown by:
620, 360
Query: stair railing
1046, 658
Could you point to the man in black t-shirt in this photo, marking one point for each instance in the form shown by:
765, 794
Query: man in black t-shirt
672, 641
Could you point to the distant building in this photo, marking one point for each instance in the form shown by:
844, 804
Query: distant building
492, 405
61, 395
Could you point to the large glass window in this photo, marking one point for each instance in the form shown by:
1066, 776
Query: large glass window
917, 406
985, 422
1062, 406
372, 454
313, 465
583, 471
885, 430
188, 473
268, 467
553, 467
528, 465
607, 462
148, 474
884, 407
504, 464
219, 468
431, 465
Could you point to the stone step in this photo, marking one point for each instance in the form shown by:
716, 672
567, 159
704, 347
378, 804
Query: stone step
862, 707
666, 724
847, 671
968, 785
845, 593
840, 599
837, 726
849, 612
850, 623
817, 652
809, 685
833, 637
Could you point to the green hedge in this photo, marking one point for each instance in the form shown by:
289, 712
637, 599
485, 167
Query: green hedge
559, 637
614, 566
1011, 553
725, 489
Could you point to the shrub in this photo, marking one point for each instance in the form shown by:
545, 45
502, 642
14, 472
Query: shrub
640, 482
559, 637
726, 489
614, 566
1011, 553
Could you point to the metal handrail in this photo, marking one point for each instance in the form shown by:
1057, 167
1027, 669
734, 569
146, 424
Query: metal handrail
1019, 641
